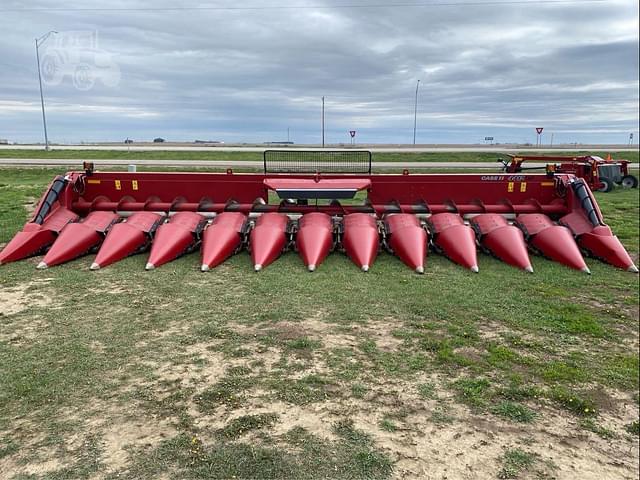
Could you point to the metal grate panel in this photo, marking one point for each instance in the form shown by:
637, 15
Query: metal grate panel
312, 161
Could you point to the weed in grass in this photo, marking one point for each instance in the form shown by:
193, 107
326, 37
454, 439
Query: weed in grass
387, 425
214, 330
228, 391
427, 391
372, 464
239, 426
518, 392
559, 371
590, 425
573, 402
369, 347
475, 392
353, 456
368, 460
515, 462
514, 411
303, 344
344, 364
633, 428
309, 389
441, 416
445, 354
501, 356
347, 431
358, 390
238, 371
621, 371
223, 460
395, 363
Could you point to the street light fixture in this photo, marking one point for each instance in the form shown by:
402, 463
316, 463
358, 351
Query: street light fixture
415, 114
39, 42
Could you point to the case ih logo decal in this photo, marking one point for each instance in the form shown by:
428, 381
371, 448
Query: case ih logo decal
500, 178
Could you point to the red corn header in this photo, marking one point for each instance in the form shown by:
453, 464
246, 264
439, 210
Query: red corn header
294, 206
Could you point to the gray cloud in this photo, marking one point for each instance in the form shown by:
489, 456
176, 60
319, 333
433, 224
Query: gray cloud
248, 75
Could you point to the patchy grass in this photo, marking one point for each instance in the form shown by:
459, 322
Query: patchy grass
574, 402
388, 425
311, 388
475, 392
246, 423
515, 462
633, 428
335, 374
603, 432
514, 412
427, 390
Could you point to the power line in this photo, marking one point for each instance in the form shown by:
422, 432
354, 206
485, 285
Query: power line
301, 7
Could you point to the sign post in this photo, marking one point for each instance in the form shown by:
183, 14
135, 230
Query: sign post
353, 136
539, 137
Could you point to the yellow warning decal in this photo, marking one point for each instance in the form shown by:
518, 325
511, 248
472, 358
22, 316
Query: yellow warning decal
510, 187
134, 184
93, 182
118, 185
547, 184
523, 187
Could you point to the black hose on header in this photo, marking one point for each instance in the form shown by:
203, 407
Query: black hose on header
54, 192
581, 191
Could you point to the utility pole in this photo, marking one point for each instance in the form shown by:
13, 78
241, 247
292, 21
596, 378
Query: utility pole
40, 41
322, 122
288, 135
415, 113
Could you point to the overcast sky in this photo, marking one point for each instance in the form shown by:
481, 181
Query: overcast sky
485, 69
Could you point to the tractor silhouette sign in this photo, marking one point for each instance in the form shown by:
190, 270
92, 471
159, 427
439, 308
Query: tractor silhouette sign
76, 56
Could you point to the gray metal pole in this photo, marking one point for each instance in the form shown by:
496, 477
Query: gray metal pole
415, 113
44, 118
322, 122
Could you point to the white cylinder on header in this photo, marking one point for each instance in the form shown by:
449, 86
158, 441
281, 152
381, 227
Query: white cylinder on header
131, 168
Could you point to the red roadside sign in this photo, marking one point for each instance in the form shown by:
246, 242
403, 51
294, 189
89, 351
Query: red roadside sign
539, 130
352, 133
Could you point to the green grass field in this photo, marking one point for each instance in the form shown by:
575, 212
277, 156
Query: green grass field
123, 373
257, 156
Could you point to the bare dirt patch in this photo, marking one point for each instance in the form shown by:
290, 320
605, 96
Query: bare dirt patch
122, 435
33, 457
329, 334
16, 299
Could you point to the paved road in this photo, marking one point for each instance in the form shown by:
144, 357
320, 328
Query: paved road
372, 148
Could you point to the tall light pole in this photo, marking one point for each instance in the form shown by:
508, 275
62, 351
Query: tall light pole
322, 122
415, 113
39, 42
